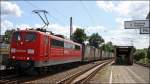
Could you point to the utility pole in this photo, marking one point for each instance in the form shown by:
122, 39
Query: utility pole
71, 28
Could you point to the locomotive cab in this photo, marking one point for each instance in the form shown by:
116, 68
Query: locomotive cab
24, 47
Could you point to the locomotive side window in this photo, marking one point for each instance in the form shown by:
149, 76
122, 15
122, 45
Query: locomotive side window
30, 36
68, 45
17, 36
57, 43
77, 47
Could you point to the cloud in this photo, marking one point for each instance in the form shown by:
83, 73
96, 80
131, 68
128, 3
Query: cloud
126, 11
55, 28
117, 36
9, 8
65, 30
94, 29
127, 37
8, 25
134, 9
5, 25
23, 26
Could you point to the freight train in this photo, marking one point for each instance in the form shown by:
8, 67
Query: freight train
31, 49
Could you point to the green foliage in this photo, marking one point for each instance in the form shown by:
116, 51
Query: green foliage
95, 40
147, 51
108, 47
7, 36
148, 54
139, 54
144, 61
79, 36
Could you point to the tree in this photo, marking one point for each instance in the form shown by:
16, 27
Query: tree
148, 53
95, 40
79, 36
108, 47
139, 54
7, 35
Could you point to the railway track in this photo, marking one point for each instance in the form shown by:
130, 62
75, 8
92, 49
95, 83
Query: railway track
52, 77
8, 79
82, 77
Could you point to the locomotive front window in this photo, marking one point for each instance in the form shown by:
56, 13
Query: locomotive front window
30, 37
17, 36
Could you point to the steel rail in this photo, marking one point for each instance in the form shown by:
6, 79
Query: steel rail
77, 79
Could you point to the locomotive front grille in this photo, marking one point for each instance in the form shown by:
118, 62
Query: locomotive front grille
21, 63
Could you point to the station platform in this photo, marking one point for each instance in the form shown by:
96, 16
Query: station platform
122, 74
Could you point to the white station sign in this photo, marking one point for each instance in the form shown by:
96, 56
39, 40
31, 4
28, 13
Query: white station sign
144, 30
136, 24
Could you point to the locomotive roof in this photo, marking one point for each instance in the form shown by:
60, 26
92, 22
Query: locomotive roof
52, 36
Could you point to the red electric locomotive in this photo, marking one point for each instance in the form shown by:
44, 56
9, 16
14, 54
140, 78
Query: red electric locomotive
34, 49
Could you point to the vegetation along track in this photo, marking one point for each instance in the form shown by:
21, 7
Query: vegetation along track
145, 65
83, 76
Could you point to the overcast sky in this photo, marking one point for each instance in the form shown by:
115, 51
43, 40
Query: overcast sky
105, 17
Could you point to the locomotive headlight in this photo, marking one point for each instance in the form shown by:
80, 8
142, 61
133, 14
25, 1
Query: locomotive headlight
28, 58
13, 57
13, 50
30, 51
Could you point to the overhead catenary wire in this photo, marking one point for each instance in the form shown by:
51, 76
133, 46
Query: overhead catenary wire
34, 6
53, 17
89, 15
60, 13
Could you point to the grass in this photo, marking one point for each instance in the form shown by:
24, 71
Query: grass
144, 61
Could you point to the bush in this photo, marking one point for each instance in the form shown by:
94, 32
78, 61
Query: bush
148, 54
144, 61
139, 55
